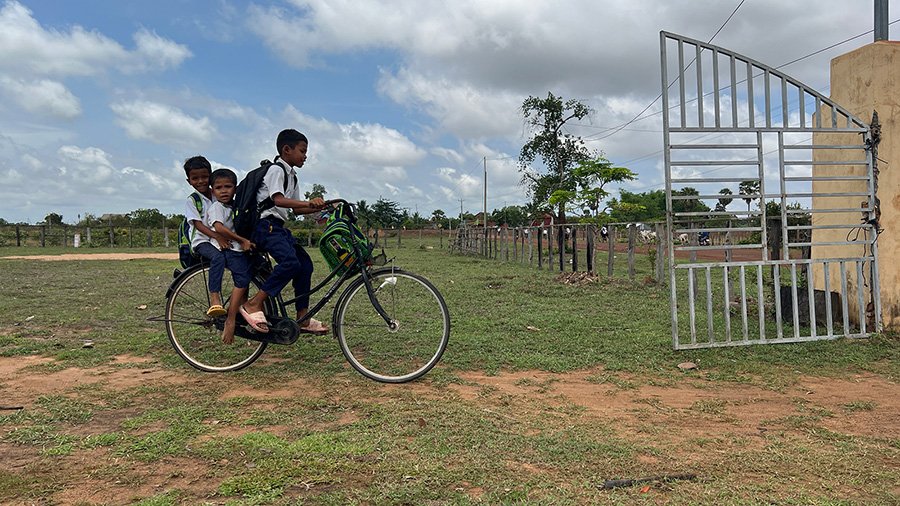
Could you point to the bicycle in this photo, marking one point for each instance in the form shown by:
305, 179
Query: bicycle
392, 325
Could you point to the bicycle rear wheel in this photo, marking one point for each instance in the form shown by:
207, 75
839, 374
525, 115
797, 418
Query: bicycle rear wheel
415, 343
198, 337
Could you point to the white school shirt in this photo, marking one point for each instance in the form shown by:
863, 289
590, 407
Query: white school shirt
223, 214
273, 183
192, 214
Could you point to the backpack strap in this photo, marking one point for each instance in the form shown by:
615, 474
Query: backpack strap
198, 203
285, 173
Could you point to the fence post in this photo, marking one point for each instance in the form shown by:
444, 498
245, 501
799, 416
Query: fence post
728, 259
550, 231
574, 249
88, 234
589, 257
149, 238
112, 239
661, 246
442, 237
130, 236
43, 244
695, 241
632, 235
18, 236
611, 239
531, 245
540, 245
561, 241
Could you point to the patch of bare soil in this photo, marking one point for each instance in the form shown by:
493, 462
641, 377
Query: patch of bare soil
689, 409
98, 256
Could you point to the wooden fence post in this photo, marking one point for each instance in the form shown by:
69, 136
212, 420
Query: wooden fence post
531, 231
661, 247
574, 249
18, 236
150, 238
540, 246
610, 240
590, 258
550, 231
43, 239
632, 236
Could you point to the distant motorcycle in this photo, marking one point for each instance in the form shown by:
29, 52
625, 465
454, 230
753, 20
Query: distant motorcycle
703, 238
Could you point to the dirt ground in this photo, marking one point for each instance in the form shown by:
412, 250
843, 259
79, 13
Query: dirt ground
750, 412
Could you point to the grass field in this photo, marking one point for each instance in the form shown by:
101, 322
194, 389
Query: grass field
546, 390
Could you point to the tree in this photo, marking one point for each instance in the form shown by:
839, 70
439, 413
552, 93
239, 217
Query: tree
724, 201
438, 215
749, 187
591, 176
513, 216
688, 205
53, 219
146, 218
638, 207
559, 151
385, 213
363, 214
318, 191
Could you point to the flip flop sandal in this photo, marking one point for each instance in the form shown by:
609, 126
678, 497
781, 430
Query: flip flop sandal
216, 310
315, 328
255, 319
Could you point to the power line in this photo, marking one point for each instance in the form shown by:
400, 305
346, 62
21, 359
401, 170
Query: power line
638, 117
619, 129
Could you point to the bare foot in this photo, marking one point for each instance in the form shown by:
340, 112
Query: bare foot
228, 332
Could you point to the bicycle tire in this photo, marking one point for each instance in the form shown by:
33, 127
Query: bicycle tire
402, 354
196, 337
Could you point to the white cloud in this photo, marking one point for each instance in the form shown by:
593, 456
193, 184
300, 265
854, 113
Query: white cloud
32, 49
46, 97
155, 53
458, 108
163, 124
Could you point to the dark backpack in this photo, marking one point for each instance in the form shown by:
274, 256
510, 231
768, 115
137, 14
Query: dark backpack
185, 234
245, 209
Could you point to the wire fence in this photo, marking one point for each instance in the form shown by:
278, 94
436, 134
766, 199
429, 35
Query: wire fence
136, 237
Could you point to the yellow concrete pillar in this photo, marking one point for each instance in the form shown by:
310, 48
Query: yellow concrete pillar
863, 81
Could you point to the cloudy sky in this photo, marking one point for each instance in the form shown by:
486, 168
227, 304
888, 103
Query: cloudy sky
102, 100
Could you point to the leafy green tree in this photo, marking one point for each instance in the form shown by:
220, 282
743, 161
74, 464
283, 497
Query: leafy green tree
748, 188
438, 215
638, 207
385, 213
363, 214
724, 201
514, 216
318, 191
688, 205
559, 150
53, 219
143, 218
591, 178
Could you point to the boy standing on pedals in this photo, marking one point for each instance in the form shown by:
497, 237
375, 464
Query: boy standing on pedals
198, 171
293, 263
219, 217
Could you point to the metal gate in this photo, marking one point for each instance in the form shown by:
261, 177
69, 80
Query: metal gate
771, 206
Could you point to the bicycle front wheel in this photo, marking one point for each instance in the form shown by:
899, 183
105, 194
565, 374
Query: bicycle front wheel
409, 347
197, 337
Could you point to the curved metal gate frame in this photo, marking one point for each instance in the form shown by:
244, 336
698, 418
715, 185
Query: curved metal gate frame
730, 121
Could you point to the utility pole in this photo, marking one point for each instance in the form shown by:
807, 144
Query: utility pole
881, 20
460, 210
485, 194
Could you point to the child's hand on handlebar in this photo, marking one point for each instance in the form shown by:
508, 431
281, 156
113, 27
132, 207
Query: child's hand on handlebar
317, 203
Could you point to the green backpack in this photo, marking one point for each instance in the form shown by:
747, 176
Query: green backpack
185, 234
336, 243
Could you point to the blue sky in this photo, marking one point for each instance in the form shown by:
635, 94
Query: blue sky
101, 101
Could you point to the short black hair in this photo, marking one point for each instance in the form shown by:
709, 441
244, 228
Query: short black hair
223, 173
194, 163
289, 137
